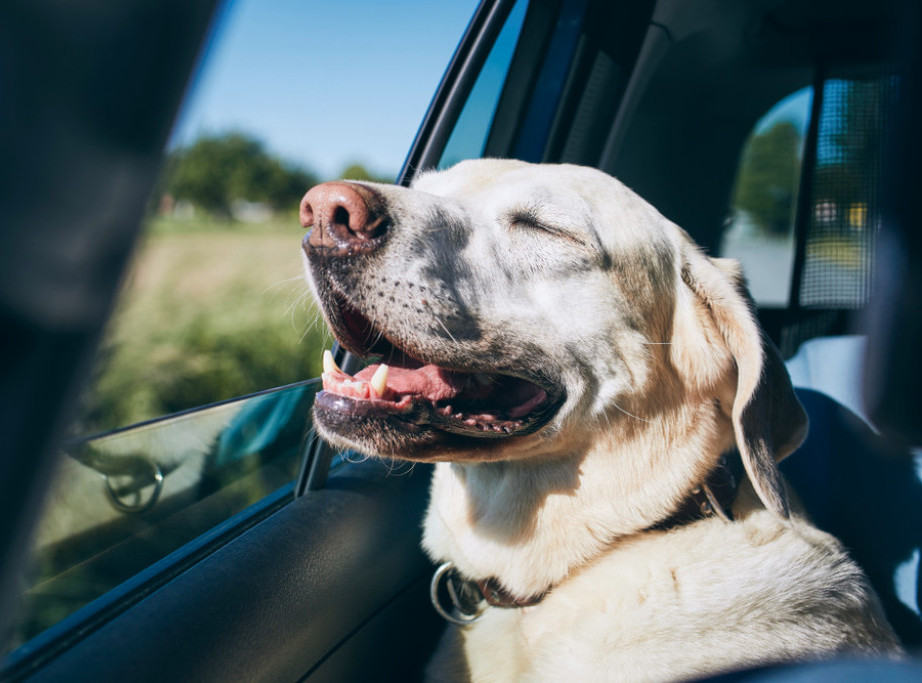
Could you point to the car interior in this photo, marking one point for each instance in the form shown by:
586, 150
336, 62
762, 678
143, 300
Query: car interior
279, 559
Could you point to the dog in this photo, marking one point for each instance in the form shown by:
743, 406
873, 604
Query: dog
585, 379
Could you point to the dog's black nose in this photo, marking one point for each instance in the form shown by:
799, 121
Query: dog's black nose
344, 216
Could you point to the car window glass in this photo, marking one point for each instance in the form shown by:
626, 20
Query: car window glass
469, 136
214, 305
760, 226
124, 500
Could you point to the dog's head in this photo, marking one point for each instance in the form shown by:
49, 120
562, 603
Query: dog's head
523, 310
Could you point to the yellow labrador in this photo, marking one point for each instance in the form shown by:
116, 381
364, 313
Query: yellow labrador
579, 371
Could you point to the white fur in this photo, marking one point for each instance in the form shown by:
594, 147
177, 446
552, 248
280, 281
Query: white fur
685, 603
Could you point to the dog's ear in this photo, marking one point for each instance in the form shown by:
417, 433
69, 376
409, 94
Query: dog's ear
768, 420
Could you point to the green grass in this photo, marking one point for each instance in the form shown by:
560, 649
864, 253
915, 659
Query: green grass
281, 224
210, 310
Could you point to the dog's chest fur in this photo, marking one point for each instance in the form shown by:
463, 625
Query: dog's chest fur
678, 604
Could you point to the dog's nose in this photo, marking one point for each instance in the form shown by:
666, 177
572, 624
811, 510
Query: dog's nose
343, 215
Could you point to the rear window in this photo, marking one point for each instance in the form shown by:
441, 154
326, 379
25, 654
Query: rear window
759, 231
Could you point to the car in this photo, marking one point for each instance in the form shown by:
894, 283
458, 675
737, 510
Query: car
278, 559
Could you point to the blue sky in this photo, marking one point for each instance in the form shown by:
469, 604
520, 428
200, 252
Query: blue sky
794, 108
325, 84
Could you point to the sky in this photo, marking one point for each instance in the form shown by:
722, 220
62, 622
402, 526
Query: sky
327, 83
794, 108
324, 83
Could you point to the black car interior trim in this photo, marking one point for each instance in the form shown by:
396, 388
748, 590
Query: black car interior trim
459, 78
70, 631
537, 29
277, 602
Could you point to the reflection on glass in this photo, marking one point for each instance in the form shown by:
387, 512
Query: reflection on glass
126, 499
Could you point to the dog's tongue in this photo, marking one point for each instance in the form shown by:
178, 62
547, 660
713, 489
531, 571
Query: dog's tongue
429, 381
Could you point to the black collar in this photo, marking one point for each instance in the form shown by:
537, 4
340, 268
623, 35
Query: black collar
713, 498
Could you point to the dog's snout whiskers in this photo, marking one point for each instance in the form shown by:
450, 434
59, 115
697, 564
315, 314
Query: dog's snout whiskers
447, 331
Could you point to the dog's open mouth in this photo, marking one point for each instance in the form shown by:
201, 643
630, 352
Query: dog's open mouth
469, 403
415, 395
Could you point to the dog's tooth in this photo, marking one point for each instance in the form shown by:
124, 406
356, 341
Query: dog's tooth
329, 365
379, 380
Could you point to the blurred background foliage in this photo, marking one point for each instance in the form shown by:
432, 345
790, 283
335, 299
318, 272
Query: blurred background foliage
844, 178
768, 177
216, 171
214, 304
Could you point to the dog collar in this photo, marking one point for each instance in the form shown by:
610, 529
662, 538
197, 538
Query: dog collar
466, 595
713, 498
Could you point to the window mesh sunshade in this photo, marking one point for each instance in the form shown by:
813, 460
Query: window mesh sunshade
845, 208
838, 230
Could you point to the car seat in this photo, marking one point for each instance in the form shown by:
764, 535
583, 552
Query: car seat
854, 483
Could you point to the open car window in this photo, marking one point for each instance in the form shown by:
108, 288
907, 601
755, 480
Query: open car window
214, 306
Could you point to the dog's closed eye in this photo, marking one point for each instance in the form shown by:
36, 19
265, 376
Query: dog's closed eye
530, 219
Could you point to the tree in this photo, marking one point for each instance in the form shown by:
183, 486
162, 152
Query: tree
359, 172
768, 178
215, 171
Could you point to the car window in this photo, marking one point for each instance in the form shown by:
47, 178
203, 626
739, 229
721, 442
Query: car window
214, 305
846, 196
469, 136
759, 231
126, 499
